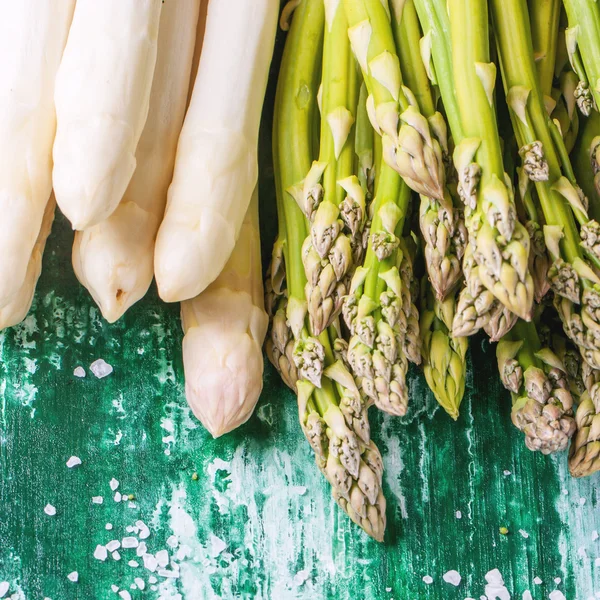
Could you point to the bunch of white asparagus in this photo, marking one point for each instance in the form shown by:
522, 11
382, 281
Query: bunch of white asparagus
140, 119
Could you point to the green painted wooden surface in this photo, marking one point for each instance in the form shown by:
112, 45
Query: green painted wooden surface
258, 520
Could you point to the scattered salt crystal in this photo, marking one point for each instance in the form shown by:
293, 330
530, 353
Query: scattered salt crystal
168, 574
582, 552
172, 542
141, 549
527, 595
494, 589
507, 473
183, 552
108, 526
144, 531
114, 484
100, 553
125, 595
4, 587
140, 583
100, 368
74, 461
565, 492
50, 510
116, 555
129, 542
388, 589
133, 586
453, 577
557, 595
153, 588
217, 545
523, 533
114, 588
537, 581
594, 535
133, 564
129, 529
113, 545
79, 372
124, 498
597, 562
74, 576
458, 514
557, 580
97, 499
428, 579
152, 579
162, 558
150, 562
117, 497
582, 501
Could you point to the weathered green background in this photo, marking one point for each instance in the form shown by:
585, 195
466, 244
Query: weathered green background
259, 520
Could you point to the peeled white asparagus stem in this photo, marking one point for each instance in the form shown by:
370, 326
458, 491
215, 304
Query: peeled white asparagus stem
216, 164
200, 28
114, 259
225, 328
33, 34
16, 310
102, 98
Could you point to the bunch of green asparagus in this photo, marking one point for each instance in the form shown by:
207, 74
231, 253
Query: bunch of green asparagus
437, 167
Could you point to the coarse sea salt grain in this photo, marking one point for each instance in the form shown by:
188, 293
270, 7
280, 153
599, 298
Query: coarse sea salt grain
79, 372
129, 542
523, 533
537, 581
597, 562
108, 526
172, 542
141, 549
50, 510
452, 577
4, 587
152, 579
74, 461
557, 580
162, 558
150, 562
125, 595
458, 514
507, 473
97, 499
494, 589
428, 579
117, 497
74, 576
100, 553
113, 545
114, 484
594, 535
100, 368
557, 595
134, 564
582, 501
114, 588
140, 583
527, 595
116, 555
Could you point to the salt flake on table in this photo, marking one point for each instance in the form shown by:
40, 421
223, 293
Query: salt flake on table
150, 562
494, 589
458, 514
597, 562
4, 587
523, 533
527, 595
108, 526
97, 499
388, 589
50, 510
113, 545
74, 576
172, 542
100, 553
557, 580
162, 558
594, 535
117, 497
557, 595
144, 531
152, 579
114, 484
141, 549
100, 368
582, 552
507, 473
582, 501
129, 542
537, 581
114, 588
217, 545
428, 579
140, 583
79, 372
168, 574
125, 595
74, 461
116, 555
134, 564
452, 577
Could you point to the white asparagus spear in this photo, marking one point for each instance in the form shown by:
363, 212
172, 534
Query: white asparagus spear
114, 259
33, 34
225, 328
16, 310
216, 164
102, 98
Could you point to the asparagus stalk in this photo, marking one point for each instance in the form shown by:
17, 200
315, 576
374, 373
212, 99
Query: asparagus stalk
335, 202
409, 144
224, 328
542, 403
114, 259
216, 167
444, 356
33, 34
352, 466
102, 102
441, 223
586, 154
